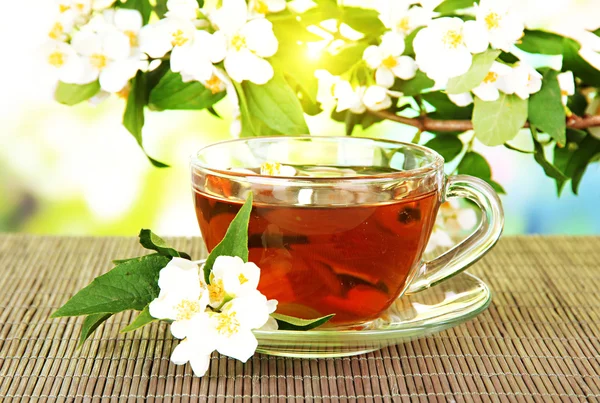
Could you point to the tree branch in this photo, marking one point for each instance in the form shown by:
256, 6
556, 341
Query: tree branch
424, 123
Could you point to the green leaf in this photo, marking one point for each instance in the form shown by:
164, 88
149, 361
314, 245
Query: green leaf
450, 6
408, 42
172, 93
549, 169
90, 324
150, 240
448, 146
546, 110
133, 118
587, 149
119, 261
498, 121
277, 105
363, 20
72, 94
130, 285
446, 109
235, 241
142, 319
476, 165
541, 42
342, 61
415, 86
480, 67
143, 6
291, 323
508, 58
574, 62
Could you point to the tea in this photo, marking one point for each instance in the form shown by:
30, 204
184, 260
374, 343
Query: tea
349, 260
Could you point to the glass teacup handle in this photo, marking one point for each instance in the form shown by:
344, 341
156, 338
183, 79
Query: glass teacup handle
476, 245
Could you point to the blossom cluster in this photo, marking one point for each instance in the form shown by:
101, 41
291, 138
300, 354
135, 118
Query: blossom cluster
217, 316
444, 48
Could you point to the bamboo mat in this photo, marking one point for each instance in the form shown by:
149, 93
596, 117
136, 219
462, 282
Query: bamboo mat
538, 341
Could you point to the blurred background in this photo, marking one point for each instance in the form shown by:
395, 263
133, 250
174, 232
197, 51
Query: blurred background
77, 171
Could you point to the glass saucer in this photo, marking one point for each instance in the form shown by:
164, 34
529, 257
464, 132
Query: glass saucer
445, 305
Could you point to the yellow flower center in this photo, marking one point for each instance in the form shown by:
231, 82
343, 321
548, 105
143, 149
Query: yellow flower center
404, 24
238, 42
124, 93
491, 77
56, 58
57, 31
214, 84
261, 7
133, 39
564, 93
227, 323
79, 7
216, 293
243, 279
492, 21
179, 38
63, 8
453, 39
270, 168
186, 309
98, 60
389, 62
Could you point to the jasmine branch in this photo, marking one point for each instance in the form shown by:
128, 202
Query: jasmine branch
424, 123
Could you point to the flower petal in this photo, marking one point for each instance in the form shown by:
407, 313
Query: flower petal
86, 43
475, 36
461, 100
405, 68
486, 92
240, 346
373, 56
384, 77
116, 75
244, 65
260, 37
127, 20
200, 363
392, 44
231, 17
116, 45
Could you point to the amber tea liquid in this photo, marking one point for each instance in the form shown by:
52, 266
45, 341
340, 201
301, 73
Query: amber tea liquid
352, 261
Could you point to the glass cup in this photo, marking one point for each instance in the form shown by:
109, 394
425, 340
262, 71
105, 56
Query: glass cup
346, 233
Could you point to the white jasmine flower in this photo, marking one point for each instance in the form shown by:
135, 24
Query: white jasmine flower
400, 17
439, 238
231, 329
444, 48
376, 98
502, 25
62, 27
327, 82
259, 8
566, 82
349, 98
102, 4
488, 89
183, 296
184, 9
455, 218
387, 62
461, 100
247, 42
194, 350
161, 37
107, 57
523, 80
64, 60
232, 278
276, 169
195, 58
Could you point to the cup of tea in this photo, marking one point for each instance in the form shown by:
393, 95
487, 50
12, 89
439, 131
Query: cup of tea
341, 227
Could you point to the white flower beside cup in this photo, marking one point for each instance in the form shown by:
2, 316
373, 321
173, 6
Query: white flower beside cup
219, 316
